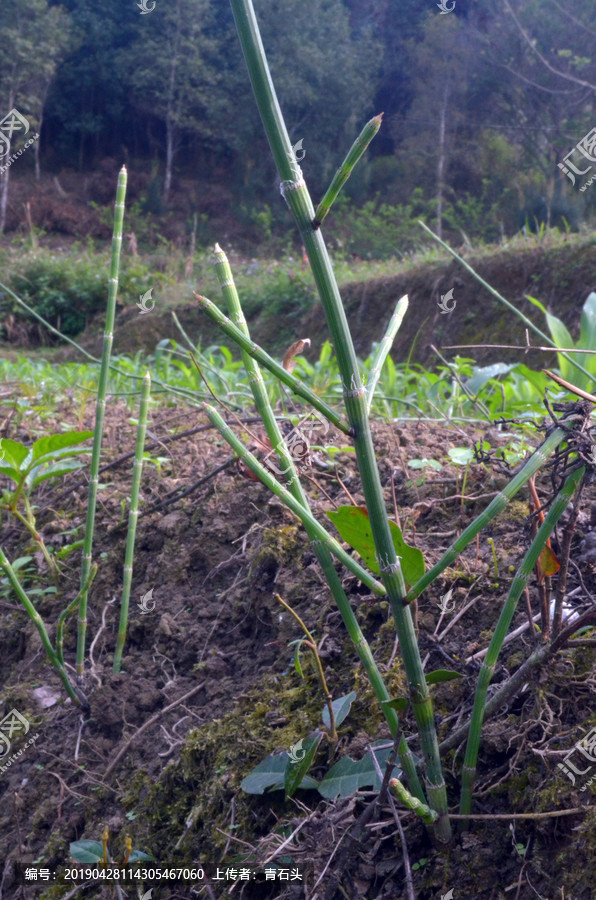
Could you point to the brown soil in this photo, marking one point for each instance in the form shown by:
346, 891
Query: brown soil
213, 561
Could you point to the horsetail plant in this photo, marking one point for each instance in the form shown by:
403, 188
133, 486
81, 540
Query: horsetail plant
558, 507
240, 337
384, 348
132, 519
100, 407
296, 195
322, 552
74, 693
357, 149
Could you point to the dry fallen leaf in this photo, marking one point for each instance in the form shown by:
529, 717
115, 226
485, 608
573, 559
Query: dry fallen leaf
296, 349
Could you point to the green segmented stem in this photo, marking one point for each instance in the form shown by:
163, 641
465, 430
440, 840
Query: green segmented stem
296, 195
133, 515
558, 507
427, 814
100, 407
69, 609
226, 280
345, 170
527, 322
497, 505
304, 515
384, 348
256, 352
75, 695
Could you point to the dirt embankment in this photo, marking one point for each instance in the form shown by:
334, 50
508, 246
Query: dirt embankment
560, 277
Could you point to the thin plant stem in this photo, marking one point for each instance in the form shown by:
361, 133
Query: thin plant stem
295, 193
247, 345
536, 461
558, 507
312, 644
100, 407
69, 609
228, 287
133, 515
75, 695
345, 170
384, 348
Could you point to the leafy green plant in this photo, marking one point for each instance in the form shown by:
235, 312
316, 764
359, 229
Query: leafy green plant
97, 853
51, 456
568, 367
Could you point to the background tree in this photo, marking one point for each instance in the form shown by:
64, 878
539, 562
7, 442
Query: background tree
26, 71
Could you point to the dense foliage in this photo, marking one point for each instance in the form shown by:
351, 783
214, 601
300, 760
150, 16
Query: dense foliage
480, 105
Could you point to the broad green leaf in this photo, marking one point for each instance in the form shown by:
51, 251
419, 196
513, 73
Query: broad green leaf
341, 708
86, 851
270, 775
587, 341
353, 524
299, 761
348, 775
399, 704
442, 675
11, 472
561, 338
138, 854
482, 375
424, 464
14, 453
52, 442
461, 456
58, 469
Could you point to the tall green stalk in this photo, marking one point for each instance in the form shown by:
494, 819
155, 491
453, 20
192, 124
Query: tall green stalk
100, 407
295, 192
133, 515
249, 347
226, 280
75, 695
558, 507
